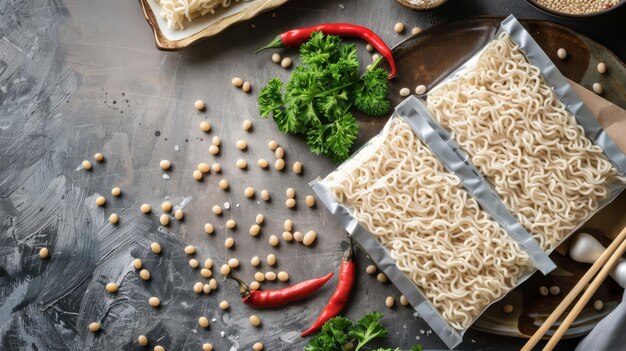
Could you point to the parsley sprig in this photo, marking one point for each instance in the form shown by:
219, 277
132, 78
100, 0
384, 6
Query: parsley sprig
339, 331
320, 94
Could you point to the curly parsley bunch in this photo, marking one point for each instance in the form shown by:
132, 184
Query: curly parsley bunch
320, 94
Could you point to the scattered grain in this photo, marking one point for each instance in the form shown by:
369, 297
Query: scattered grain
508, 308
398, 27
237, 82
114, 218
543, 291
405, 91
241, 144
403, 300
381, 277
203, 322
217, 210
166, 206
246, 87
142, 340
265, 195
179, 214
297, 167
309, 238
271, 259
279, 152
389, 301
231, 224
86, 165
94, 327
273, 240
287, 236
371, 269
214, 149
597, 88
276, 58
164, 219
272, 145
216, 167
137, 264
283, 276
290, 203
598, 305
116, 191
197, 175
144, 274
208, 263
420, 89
254, 285
213, 284
207, 347
233, 263
199, 105
101, 200
255, 320
263, 163
249, 192
154, 301
297, 236
111, 287
190, 249
43, 253
242, 164
601, 68
369, 47
259, 219
555, 290
197, 287
416, 30
165, 165
193, 263
259, 276
225, 269
98, 157
255, 261
255, 229
257, 346
279, 164
205, 126
285, 62
270, 276
309, 200
229, 243
561, 53
155, 247
145, 208
223, 184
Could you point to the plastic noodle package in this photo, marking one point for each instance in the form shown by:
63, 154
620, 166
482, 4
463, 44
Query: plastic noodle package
424, 230
528, 133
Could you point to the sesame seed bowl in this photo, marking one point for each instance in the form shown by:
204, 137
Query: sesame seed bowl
577, 9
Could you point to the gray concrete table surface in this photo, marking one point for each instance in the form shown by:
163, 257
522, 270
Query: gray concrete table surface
79, 77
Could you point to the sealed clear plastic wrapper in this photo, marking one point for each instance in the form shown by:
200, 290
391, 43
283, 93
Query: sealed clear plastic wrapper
522, 126
425, 231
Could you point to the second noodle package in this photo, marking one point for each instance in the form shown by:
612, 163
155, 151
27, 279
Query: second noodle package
464, 193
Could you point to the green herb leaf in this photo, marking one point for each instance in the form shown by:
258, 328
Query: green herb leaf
320, 94
333, 336
372, 98
270, 98
368, 328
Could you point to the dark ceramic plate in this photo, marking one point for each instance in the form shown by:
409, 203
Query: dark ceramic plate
428, 57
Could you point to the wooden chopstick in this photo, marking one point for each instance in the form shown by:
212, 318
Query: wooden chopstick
578, 288
582, 302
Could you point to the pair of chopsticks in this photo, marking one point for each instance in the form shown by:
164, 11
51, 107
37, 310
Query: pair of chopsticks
605, 264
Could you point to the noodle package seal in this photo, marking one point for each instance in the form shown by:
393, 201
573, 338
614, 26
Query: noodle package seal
447, 160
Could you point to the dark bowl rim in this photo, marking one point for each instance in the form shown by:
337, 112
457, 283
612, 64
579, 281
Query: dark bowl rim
573, 16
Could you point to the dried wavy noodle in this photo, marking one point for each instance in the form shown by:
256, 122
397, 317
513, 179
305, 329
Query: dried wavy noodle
521, 137
176, 11
440, 238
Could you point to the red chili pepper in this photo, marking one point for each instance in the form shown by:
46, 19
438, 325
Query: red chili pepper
298, 36
340, 296
274, 298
